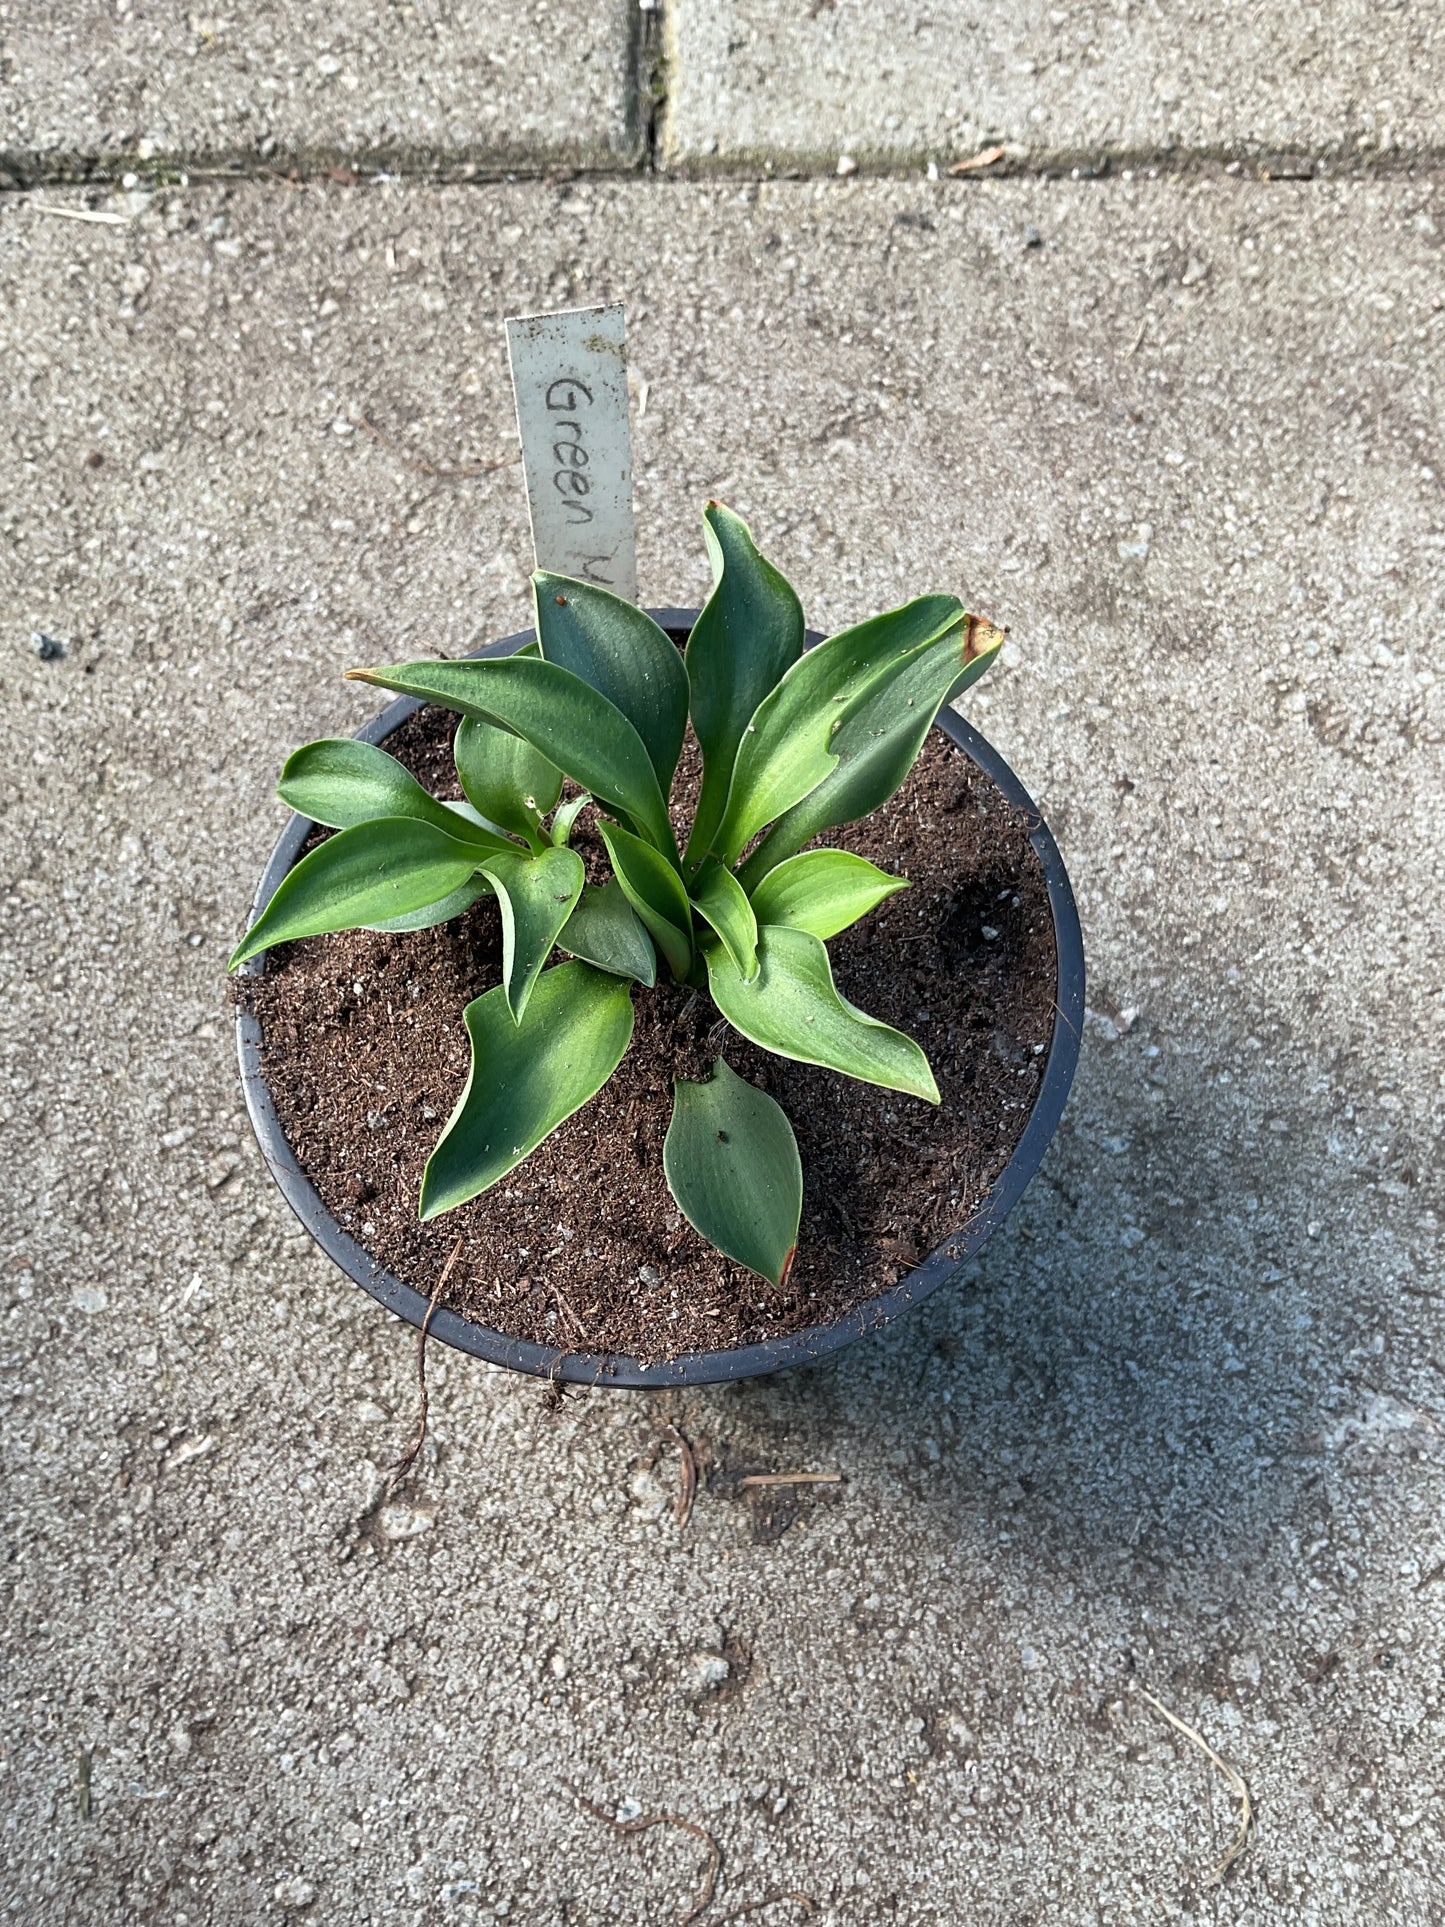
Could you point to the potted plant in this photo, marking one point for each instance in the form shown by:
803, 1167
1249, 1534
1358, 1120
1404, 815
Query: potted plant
668, 820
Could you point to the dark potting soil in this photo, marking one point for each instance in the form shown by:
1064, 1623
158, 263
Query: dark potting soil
582, 1247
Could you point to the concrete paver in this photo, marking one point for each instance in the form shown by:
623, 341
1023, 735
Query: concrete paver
1180, 1425
496, 82
750, 81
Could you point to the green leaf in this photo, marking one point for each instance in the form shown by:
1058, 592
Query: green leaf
442, 911
787, 748
605, 930
654, 889
719, 898
879, 743
341, 783
748, 636
536, 895
621, 652
360, 876
732, 1164
459, 809
792, 1007
822, 891
566, 817
526, 1078
505, 779
563, 717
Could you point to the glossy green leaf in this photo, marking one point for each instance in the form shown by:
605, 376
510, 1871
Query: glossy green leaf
792, 1007
505, 779
526, 1079
719, 898
360, 876
442, 911
746, 639
457, 807
787, 748
605, 930
536, 895
654, 889
879, 743
565, 820
573, 726
342, 782
822, 891
621, 652
732, 1164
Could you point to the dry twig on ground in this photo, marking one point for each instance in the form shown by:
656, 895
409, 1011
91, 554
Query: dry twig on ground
790, 1478
687, 1478
768, 1900
408, 1458
985, 158
460, 473
1234, 1780
647, 1820
96, 216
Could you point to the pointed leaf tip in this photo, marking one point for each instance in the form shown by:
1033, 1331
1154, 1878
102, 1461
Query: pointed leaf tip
342, 782
732, 1164
618, 650
879, 738
823, 891
364, 875
536, 896
605, 930
561, 715
791, 743
980, 637
793, 1008
719, 898
526, 1078
747, 637
656, 893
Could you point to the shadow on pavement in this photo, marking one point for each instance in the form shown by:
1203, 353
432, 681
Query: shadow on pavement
1139, 1359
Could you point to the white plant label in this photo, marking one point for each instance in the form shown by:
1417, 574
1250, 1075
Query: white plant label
569, 375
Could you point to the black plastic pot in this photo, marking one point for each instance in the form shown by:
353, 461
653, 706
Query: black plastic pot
692, 1368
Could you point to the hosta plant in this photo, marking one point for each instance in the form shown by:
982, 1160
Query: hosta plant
792, 743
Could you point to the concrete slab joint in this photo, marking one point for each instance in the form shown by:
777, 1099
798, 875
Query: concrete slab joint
474, 88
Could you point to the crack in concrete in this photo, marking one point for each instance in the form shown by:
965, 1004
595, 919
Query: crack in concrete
640, 158
649, 83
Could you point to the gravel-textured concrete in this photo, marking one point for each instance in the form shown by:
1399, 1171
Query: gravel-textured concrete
1181, 1427
498, 83
752, 80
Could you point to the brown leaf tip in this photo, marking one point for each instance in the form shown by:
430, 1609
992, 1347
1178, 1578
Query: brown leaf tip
979, 636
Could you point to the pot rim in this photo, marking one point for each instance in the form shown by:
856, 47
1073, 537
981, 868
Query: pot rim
618, 1371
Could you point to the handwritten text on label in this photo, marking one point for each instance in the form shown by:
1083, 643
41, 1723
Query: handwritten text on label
569, 373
